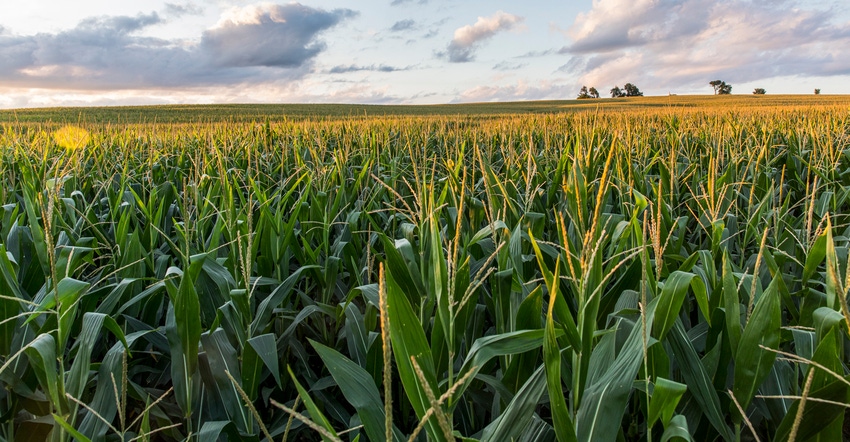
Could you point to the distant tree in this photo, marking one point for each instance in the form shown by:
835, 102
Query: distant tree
817, 91
759, 91
593, 92
616, 92
632, 90
716, 85
720, 87
582, 94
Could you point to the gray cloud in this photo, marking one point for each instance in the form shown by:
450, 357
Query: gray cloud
401, 2
178, 10
276, 36
344, 69
252, 44
535, 54
509, 66
467, 38
403, 25
675, 43
431, 33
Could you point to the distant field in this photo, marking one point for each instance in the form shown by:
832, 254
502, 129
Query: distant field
279, 112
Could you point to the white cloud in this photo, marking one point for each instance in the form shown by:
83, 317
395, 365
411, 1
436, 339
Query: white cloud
467, 38
665, 44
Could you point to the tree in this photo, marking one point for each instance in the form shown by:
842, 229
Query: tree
817, 91
716, 85
582, 94
720, 87
616, 92
593, 92
632, 90
759, 91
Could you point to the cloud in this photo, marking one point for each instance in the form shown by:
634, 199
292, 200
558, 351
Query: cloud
270, 35
298, 91
344, 69
249, 45
536, 54
467, 38
403, 25
665, 44
401, 2
509, 66
177, 10
522, 90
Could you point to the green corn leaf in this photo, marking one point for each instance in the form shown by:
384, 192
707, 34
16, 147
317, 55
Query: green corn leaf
187, 312
409, 341
731, 305
359, 390
104, 401
528, 317
753, 363
519, 412
265, 346
92, 325
486, 348
355, 335
70, 429
68, 293
42, 355
814, 257
561, 308
221, 359
438, 279
561, 419
605, 400
316, 414
832, 278
8, 307
263, 315
677, 430
816, 415
671, 299
487, 232
825, 319
212, 430
31, 205
397, 265
696, 378
665, 396
828, 356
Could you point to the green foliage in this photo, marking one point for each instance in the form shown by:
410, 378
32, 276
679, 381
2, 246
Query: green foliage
615, 275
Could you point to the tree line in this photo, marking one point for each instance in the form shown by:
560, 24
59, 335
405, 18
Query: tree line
629, 90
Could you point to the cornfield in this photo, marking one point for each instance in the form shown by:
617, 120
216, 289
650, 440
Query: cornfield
670, 274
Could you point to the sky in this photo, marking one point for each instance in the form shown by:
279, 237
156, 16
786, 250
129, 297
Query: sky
107, 52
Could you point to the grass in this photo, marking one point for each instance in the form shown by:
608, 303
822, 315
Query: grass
647, 270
